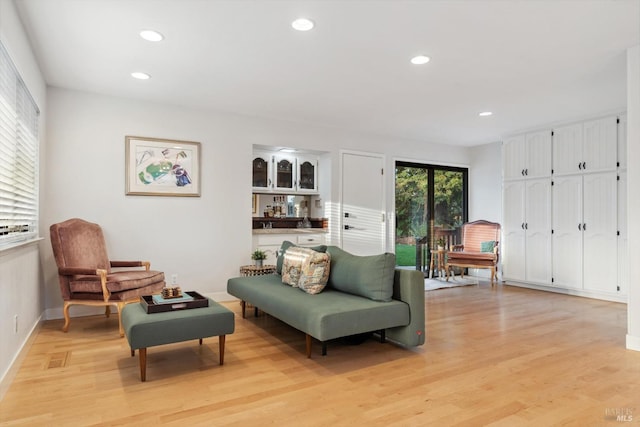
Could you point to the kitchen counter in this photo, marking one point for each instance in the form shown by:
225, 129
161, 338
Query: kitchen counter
289, 230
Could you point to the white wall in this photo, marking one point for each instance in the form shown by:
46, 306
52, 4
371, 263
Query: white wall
20, 273
633, 192
204, 240
485, 183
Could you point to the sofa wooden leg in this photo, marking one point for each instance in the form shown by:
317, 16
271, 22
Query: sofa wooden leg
244, 309
383, 336
324, 348
308, 346
221, 340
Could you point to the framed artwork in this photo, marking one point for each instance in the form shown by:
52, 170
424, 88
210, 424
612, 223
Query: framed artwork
254, 204
162, 167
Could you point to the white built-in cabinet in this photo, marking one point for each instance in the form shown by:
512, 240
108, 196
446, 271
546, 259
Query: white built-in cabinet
568, 231
526, 254
284, 173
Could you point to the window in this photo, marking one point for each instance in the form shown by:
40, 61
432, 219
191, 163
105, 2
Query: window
18, 156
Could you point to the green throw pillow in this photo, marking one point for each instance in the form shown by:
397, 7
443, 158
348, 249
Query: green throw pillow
286, 245
366, 276
487, 246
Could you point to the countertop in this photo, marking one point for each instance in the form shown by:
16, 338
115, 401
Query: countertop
290, 230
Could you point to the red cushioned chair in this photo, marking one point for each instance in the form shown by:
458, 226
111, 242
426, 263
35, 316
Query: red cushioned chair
85, 272
479, 248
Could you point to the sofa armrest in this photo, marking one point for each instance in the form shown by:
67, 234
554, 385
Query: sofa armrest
408, 286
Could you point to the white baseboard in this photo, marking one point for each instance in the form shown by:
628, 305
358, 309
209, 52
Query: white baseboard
14, 366
574, 292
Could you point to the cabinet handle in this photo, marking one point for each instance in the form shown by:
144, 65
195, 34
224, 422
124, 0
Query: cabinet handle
584, 227
579, 227
584, 165
580, 166
522, 225
526, 225
522, 172
269, 183
526, 171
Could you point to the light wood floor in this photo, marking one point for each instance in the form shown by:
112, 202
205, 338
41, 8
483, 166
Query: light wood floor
504, 356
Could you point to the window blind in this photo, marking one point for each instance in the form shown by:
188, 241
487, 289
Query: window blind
18, 156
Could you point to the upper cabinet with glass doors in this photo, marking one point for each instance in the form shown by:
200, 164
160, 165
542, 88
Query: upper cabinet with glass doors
284, 173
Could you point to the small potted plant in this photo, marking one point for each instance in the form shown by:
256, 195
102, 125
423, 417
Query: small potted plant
258, 256
440, 242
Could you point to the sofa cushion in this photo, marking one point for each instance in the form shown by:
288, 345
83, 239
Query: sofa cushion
294, 258
315, 272
367, 276
286, 245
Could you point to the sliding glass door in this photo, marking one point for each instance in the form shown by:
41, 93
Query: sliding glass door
431, 206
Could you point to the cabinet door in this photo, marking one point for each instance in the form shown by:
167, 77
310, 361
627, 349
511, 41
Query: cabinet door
567, 231
261, 170
600, 145
513, 155
538, 231
307, 175
512, 247
284, 171
600, 242
538, 154
567, 149
622, 141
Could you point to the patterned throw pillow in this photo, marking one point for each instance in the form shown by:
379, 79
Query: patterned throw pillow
315, 273
294, 257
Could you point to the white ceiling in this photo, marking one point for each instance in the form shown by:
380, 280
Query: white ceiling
532, 62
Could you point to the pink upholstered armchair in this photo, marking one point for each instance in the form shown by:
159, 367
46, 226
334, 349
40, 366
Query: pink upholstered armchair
85, 272
479, 248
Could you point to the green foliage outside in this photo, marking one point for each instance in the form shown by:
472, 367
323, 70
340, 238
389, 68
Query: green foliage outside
405, 254
412, 202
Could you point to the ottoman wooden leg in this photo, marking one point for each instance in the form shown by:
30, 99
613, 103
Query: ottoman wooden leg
143, 364
221, 340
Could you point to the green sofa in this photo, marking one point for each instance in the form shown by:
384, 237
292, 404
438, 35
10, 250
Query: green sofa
363, 294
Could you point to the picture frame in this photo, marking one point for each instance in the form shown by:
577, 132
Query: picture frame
254, 204
161, 167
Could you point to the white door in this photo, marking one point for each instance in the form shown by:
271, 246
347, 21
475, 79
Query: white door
538, 231
567, 231
362, 205
623, 268
512, 247
622, 141
600, 232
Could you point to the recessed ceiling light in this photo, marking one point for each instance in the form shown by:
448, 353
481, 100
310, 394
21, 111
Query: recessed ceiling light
152, 36
288, 150
485, 113
302, 24
420, 60
140, 76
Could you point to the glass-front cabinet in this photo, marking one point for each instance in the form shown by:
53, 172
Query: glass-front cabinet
307, 175
284, 173
285, 168
261, 170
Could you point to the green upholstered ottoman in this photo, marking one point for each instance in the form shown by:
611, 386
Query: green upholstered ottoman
147, 330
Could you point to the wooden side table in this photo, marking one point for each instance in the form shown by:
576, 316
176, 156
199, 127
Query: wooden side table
253, 270
438, 259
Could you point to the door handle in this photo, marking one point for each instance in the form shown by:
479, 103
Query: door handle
347, 227
346, 214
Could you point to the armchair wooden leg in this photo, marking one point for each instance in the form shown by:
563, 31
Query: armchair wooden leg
107, 311
120, 328
67, 319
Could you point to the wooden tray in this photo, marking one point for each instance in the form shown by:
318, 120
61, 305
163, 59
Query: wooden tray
146, 301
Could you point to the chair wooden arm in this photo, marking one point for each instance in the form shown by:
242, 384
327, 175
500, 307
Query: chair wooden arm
103, 282
73, 271
145, 264
457, 247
